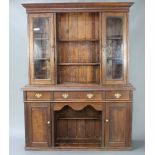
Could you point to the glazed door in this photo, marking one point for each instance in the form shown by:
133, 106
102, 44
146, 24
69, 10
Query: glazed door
39, 125
117, 125
114, 48
41, 37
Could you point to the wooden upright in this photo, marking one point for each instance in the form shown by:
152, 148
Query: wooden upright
78, 96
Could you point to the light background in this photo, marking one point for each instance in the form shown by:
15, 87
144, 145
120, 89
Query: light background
19, 75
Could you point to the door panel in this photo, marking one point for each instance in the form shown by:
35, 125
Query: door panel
39, 129
41, 32
117, 124
114, 48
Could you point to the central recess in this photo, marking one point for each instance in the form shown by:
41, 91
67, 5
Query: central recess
78, 48
78, 128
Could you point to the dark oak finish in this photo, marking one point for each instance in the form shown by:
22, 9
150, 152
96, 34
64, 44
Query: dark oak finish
39, 131
38, 95
78, 7
76, 127
78, 48
77, 106
78, 97
117, 95
117, 125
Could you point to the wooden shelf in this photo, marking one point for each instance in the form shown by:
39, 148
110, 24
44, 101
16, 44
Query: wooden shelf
78, 118
73, 144
80, 40
79, 83
78, 64
77, 138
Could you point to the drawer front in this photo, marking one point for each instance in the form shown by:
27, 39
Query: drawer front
37, 95
117, 95
78, 95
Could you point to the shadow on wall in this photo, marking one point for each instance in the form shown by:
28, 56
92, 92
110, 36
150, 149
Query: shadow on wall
137, 144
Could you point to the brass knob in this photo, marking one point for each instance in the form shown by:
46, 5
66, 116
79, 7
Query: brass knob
90, 96
107, 120
117, 95
48, 122
65, 95
38, 95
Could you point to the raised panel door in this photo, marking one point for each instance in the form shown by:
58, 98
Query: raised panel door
38, 124
117, 125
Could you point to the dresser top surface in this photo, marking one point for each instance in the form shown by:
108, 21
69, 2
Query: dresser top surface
65, 87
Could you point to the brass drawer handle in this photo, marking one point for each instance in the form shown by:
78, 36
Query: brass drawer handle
90, 96
38, 95
65, 95
117, 95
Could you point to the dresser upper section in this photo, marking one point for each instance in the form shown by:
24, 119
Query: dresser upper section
78, 43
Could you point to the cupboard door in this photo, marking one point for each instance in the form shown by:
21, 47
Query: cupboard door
114, 48
41, 33
117, 125
38, 122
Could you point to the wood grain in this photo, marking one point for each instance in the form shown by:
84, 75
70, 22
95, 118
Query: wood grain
43, 95
78, 95
77, 129
78, 7
97, 112
111, 95
38, 130
117, 126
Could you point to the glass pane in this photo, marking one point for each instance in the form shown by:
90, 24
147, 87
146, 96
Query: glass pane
114, 49
114, 27
114, 69
40, 27
41, 47
42, 69
114, 56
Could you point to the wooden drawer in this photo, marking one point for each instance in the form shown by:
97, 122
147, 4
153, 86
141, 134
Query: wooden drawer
38, 95
117, 95
78, 95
